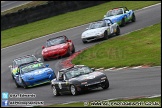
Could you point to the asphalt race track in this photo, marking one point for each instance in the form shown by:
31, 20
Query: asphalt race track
6, 5
123, 83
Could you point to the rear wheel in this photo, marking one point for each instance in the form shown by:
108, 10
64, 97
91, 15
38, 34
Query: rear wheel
73, 90
133, 18
105, 85
55, 92
105, 35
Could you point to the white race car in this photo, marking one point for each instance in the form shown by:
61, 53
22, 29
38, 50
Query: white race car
100, 29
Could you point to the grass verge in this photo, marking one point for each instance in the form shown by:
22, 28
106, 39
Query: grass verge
138, 102
142, 47
64, 21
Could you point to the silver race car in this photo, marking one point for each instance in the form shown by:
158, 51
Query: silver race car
100, 29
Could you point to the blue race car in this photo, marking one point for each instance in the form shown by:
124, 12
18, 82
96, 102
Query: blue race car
32, 74
120, 16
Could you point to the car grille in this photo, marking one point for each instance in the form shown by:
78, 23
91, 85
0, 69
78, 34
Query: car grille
90, 38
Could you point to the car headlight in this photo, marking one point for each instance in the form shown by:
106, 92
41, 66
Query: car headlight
30, 78
44, 51
49, 72
103, 78
100, 34
84, 83
83, 36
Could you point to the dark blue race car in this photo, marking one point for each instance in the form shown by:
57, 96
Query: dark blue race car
32, 74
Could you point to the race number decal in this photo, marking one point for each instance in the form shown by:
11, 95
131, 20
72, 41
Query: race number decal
60, 86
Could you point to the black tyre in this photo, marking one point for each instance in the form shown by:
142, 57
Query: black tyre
84, 41
73, 51
44, 59
73, 90
17, 85
12, 76
24, 85
105, 35
123, 22
69, 53
133, 18
117, 31
55, 92
105, 85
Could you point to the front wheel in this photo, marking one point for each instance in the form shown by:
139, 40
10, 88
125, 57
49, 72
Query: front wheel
73, 51
105, 85
55, 92
68, 53
73, 90
12, 76
105, 35
24, 85
17, 85
123, 22
117, 31
84, 41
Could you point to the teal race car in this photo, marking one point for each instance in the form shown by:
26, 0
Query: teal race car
120, 15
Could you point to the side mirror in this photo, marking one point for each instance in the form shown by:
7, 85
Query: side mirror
39, 59
93, 69
10, 66
69, 40
43, 47
104, 16
47, 65
126, 11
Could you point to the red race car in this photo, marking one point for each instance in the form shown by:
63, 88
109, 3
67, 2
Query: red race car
57, 47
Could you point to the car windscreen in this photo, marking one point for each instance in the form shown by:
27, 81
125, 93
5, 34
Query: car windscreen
97, 25
31, 67
55, 41
75, 72
24, 60
114, 12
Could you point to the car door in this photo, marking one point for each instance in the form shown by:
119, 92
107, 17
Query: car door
64, 83
61, 83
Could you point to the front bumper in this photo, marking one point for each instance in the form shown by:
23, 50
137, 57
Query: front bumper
40, 80
91, 85
55, 54
88, 39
